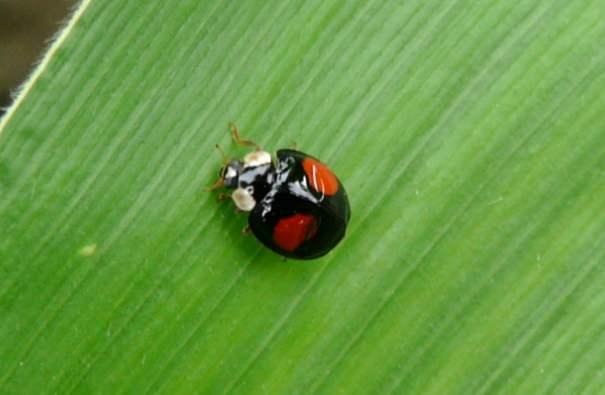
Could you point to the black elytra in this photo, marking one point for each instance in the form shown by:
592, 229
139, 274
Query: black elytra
297, 206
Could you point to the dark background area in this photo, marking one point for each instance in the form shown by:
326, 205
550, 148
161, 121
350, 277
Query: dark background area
26, 29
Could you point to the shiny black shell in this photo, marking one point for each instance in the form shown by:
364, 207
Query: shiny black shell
290, 193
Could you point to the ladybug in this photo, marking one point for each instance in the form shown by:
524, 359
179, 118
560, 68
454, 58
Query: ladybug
297, 206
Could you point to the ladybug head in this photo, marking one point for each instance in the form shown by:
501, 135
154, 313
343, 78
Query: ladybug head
230, 173
250, 178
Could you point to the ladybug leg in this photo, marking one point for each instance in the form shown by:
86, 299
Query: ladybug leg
218, 184
239, 210
246, 230
224, 157
240, 141
222, 196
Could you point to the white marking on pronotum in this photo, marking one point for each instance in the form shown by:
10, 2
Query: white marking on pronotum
257, 158
56, 44
243, 199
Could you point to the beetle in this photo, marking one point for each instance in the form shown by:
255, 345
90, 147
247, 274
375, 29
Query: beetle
297, 206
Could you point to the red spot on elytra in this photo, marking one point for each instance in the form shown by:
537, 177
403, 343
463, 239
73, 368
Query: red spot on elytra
320, 176
290, 232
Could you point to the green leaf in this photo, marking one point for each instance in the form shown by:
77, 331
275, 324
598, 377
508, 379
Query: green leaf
470, 137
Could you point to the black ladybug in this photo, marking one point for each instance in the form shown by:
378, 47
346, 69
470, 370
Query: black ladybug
298, 207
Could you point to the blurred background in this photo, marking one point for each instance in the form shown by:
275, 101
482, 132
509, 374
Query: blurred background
26, 27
